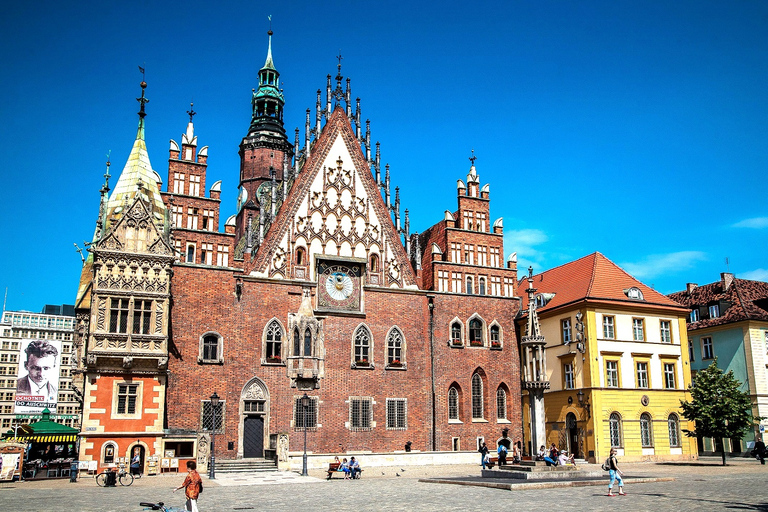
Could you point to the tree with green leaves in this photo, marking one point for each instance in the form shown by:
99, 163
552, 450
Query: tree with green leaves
718, 407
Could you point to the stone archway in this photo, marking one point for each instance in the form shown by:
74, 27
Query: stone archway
253, 429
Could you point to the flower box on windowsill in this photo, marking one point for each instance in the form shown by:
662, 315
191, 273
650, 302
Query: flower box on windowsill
362, 365
362, 362
475, 343
456, 344
396, 365
274, 360
495, 346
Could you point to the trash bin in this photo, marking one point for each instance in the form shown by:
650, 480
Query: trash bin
73, 471
110, 479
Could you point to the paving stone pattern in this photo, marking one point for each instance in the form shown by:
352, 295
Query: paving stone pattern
704, 485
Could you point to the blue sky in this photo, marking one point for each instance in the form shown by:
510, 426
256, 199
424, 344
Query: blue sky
637, 129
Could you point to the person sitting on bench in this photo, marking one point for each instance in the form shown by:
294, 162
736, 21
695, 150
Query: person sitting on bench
354, 468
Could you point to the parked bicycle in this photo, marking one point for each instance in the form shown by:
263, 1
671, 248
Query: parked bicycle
159, 506
124, 477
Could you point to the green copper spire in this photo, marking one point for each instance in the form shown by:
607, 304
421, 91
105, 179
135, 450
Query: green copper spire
269, 64
268, 100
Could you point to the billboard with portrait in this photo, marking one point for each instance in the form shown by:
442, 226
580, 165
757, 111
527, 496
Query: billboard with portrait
37, 386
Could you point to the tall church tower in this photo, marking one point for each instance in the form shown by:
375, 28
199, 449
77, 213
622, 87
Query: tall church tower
265, 160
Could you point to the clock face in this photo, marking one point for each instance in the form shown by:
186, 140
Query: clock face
339, 285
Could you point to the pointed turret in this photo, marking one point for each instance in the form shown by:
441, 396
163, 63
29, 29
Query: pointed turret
137, 178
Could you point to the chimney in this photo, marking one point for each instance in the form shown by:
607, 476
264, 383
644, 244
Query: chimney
726, 279
690, 287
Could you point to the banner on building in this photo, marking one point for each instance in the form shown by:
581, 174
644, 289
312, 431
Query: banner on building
37, 386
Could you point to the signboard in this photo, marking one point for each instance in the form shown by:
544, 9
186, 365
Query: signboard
10, 465
37, 386
40, 416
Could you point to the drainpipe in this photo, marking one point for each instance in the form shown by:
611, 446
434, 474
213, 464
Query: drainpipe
431, 299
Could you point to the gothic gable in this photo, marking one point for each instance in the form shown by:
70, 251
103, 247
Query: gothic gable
135, 232
334, 210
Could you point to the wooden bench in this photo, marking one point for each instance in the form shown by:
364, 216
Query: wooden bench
333, 467
492, 462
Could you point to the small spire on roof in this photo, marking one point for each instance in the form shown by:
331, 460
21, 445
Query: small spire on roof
473, 157
191, 112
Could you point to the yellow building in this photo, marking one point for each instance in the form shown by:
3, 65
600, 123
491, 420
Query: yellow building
617, 363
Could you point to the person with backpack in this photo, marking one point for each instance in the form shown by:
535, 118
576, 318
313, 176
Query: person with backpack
502, 451
193, 486
612, 465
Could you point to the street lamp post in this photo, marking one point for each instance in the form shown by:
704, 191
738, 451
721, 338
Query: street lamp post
304, 406
212, 469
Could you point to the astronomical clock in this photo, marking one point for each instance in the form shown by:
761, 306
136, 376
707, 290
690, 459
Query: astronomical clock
339, 285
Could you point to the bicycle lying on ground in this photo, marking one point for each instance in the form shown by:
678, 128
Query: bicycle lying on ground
125, 478
159, 506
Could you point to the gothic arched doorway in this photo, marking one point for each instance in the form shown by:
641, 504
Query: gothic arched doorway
254, 414
573, 434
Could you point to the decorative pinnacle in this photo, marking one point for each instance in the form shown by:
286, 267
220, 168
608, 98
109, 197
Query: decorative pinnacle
473, 157
142, 101
339, 64
191, 112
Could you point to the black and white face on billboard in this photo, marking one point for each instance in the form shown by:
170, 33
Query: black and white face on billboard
37, 386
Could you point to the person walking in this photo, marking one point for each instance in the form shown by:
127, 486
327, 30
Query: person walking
483, 454
193, 486
759, 451
615, 474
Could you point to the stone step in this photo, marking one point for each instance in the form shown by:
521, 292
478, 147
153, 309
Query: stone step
245, 466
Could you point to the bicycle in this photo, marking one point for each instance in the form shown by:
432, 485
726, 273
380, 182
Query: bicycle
122, 475
159, 506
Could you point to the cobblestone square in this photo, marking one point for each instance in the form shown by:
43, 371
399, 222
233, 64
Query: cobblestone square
703, 485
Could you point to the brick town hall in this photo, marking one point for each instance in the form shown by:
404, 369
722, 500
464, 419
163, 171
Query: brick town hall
315, 286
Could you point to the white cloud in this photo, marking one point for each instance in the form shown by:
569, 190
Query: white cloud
655, 265
759, 274
754, 223
524, 243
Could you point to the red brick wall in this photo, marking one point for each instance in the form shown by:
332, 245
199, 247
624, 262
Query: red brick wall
204, 300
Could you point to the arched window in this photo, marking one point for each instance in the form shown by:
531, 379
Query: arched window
274, 341
456, 333
475, 332
481, 286
300, 256
646, 431
307, 343
673, 424
374, 263
501, 403
395, 347
477, 397
469, 286
109, 453
211, 349
495, 336
453, 403
362, 345
296, 343
614, 427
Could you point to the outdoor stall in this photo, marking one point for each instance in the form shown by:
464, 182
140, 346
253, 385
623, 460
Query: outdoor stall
51, 447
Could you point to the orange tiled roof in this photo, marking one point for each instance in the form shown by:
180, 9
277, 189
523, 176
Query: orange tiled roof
592, 277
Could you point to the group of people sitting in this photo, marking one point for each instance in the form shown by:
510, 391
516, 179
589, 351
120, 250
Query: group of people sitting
351, 468
555, 457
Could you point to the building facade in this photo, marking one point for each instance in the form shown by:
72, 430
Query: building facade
315, 287
56, 326
728, 320
616, 363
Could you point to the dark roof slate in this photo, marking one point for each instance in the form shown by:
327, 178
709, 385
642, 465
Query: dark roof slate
746, 300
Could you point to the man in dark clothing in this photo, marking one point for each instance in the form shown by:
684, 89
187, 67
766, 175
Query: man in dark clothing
759, 450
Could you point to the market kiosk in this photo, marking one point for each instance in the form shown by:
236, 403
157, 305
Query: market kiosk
51, 447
